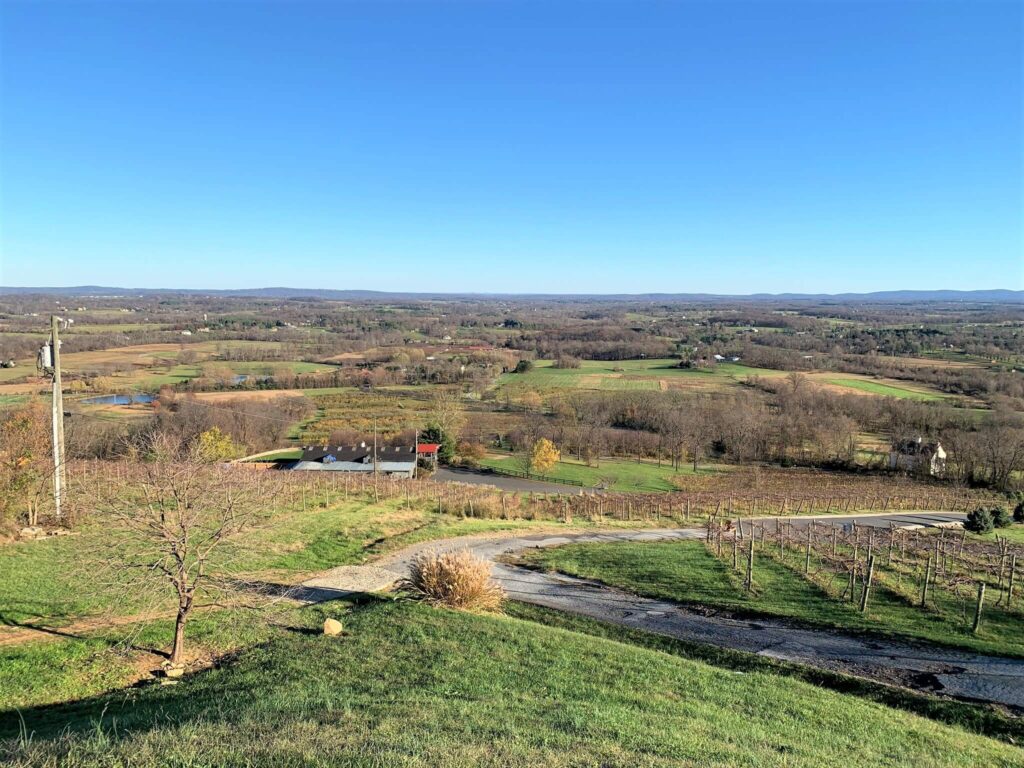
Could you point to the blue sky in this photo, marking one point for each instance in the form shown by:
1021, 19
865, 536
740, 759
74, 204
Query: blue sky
562, 147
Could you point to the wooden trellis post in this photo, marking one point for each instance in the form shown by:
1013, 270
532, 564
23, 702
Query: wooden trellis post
924, 586
978, 607
867, 584
1009, 586
748, 582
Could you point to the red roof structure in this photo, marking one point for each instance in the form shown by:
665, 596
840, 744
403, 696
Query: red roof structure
427, 447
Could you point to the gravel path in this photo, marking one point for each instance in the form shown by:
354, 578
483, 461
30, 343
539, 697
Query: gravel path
922, 667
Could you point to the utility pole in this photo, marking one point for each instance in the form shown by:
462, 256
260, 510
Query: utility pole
375, 446
58, 416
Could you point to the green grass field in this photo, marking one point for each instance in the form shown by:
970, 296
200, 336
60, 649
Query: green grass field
627, 374
408, 685
43, 584
886, 390
614, 474
1014, 534
686, 572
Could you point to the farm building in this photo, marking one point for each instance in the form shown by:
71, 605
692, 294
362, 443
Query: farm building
428, 451
916, 455
396, 460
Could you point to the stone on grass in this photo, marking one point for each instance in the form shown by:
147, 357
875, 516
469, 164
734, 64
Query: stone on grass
332, 627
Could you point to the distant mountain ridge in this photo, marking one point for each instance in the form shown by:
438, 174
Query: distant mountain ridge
998, 295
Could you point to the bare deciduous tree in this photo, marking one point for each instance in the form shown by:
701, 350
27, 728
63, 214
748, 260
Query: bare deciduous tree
173, 530
446, 411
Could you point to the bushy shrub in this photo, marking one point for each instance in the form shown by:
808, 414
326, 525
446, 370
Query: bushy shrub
456, 580
979, 521
470, 453
1001, 516
1018, 509
523, 366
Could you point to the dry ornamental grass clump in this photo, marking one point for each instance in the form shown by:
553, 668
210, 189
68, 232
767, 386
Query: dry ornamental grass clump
455, 579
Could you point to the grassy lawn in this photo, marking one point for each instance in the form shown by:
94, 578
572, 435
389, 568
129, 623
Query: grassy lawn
42, 585
177, 374
616, 474
408, 685
886, 390
1013, 534
686, 572
977, 718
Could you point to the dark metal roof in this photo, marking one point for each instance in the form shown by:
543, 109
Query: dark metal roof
359, 453
916, 447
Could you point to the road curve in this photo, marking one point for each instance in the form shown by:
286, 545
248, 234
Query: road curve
923, 667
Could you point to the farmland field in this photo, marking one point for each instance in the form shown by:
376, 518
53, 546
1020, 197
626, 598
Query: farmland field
885, 389
664, 374
24, 368
629, 374
349, 408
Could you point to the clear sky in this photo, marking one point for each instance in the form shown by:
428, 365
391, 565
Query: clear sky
564, 147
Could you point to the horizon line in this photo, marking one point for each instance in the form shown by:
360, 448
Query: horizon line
291, 292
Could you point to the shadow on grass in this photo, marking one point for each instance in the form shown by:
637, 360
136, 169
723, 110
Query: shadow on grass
200, 695
69, 634
296, 592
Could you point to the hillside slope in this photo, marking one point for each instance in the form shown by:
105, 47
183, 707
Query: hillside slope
413, 686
